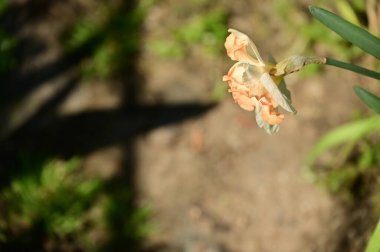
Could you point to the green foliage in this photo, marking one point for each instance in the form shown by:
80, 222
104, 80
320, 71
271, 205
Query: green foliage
374, 242
7, 47
348, 31
110, 39
82, 32
311, 33
167, 48
310, 70
219, 91
359, 37
55, 201
353, 68
315, 33
350, 132
283, 8
358, 5
346, 160
347, 12
101, 63
8, 44
4, 4
351, 171
56, 198
208, 30
371, 100
134, 227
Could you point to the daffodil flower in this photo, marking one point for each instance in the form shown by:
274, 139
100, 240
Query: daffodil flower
254, 83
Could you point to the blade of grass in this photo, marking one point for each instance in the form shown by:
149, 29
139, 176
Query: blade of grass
347, 12
374, 242
350, 32
346, 133
371, 100
353, 68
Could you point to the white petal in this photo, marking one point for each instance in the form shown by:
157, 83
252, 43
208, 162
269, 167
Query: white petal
276, 94
270, 129
259, 120
253, 47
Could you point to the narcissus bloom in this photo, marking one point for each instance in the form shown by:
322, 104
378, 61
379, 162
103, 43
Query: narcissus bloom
254, 83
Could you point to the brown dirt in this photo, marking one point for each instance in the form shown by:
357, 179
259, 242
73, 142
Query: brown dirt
218, 183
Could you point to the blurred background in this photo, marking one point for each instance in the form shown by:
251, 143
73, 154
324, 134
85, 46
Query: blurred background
117, 133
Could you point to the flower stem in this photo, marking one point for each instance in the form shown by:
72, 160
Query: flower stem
353, 68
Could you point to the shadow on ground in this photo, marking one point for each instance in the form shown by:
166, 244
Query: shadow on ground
48, 134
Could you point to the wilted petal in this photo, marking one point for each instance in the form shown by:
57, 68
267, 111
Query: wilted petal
295, 63
245, 86
275, 93
251, 79
269, 112
270, 116
244, 101
235, 74
254, 85
259, 120
240, 48
270, 129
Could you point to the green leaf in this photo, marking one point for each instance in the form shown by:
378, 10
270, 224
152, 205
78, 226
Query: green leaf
353, 68
347, 12
350, 32
371, 100
4, 4
359, 5
374, 242
349, 132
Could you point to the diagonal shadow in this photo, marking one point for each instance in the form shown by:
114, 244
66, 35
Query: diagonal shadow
82, 133
17, 84
49, 134
20, 12
16, 87
85, 132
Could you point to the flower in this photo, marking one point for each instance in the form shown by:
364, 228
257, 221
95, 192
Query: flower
254, 84
246, 81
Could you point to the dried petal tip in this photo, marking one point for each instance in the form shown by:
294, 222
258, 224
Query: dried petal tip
295, 63
241, 48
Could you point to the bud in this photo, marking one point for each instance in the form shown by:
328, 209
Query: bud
294, 64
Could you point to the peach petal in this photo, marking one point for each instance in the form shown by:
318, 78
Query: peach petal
244, 102
270, 116
237, 72
236, 46
267, 100
233, 45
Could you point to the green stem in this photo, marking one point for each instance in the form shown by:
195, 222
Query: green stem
374, 242
353, 68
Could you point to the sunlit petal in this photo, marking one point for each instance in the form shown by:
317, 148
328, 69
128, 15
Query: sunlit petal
241, 48
276, 94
